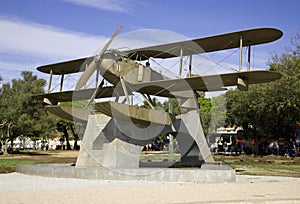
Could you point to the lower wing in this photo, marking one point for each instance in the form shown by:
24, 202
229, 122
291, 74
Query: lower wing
206, 83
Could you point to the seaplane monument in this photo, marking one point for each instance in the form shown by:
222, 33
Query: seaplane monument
117, 130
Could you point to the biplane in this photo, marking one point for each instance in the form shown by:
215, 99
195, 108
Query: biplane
126, 74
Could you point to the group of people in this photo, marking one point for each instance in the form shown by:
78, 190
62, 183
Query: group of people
158, 144
235, 146
287, 149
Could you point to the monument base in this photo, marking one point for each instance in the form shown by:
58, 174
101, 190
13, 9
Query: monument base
208, 173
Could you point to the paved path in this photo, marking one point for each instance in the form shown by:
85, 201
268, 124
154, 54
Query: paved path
19, 188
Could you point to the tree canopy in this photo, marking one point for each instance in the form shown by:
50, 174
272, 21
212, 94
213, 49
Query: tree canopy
270, 109
21, 115
212, 113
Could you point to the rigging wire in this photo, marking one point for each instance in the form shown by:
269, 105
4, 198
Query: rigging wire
220, 63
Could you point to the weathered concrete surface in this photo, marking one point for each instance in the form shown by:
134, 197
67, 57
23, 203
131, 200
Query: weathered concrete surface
191, 139
112, 143
101, 150
208, 173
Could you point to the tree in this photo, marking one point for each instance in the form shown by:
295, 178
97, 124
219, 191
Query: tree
287, 89
269, 110
21, 115
176, 109
212, 113
62, 126
205, 113
218, 112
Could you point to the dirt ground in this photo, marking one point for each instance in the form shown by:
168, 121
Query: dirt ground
245, 165
40, 155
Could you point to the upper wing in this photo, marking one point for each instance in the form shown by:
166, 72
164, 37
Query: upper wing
204, 83
195, 46
67, 67
207, 44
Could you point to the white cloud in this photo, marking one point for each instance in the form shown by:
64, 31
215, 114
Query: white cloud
19, 38
112, 5
27, 45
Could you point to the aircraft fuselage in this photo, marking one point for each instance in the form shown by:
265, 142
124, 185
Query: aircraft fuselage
131, 71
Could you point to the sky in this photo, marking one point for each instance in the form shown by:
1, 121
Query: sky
39, 32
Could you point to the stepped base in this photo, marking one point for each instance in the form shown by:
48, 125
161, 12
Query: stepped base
208, 173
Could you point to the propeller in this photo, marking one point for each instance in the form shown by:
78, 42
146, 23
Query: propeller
94, 64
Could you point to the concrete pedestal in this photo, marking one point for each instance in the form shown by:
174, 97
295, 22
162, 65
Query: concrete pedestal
191, 139
209, 173
98, 149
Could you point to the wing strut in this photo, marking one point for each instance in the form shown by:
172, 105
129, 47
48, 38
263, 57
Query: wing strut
242, 84
180, 64
97, 77
241, 53
124, 89
148, 101
95, 94
50, 80
61, 82
190, 66
249, 55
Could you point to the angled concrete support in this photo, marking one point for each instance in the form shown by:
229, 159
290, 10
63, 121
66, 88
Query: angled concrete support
102, 148
113, 143
191, 139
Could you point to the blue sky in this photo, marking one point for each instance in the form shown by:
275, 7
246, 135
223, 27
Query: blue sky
38, 32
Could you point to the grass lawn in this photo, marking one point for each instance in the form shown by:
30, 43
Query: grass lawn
264, 166
9, 165
9, 162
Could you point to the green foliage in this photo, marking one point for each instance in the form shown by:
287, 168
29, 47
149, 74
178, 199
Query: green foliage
25, 115
9, 165
212, 113
75, 104
218, 112
205, 113
176, 110
157, 104
270, 109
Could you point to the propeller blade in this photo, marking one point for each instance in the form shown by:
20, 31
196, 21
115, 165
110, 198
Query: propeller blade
110, 41
86, 75
94, 64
